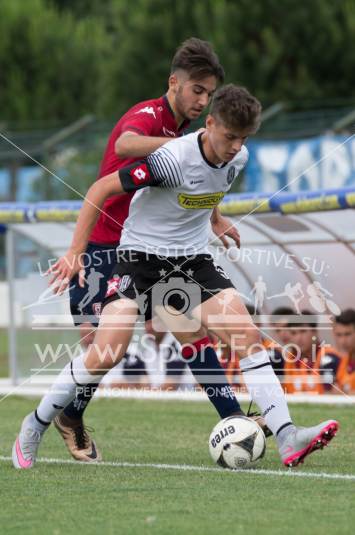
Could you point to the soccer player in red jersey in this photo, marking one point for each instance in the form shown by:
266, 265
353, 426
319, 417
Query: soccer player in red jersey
176, 190
195, 74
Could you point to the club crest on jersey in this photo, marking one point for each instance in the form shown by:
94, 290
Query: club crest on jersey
147, 109
140, 174
96, 308
231, 174
198, 202
125, 281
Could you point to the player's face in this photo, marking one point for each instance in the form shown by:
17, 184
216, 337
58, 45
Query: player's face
344, 337
224, 142
191, 96
303, 338
282, 332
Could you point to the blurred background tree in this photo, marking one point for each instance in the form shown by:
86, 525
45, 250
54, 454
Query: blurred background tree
61, 59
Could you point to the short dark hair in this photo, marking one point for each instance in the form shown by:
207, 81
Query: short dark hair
198, 59
283, 311
236, 108
252, 310
346, 317
312, 324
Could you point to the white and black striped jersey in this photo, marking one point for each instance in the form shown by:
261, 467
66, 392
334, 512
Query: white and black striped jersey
176, 191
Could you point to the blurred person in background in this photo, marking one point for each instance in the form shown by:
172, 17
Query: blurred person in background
280, 336
344, 339
314, 366
280, 339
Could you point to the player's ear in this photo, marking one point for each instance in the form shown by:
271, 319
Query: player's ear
210, 121
173, 82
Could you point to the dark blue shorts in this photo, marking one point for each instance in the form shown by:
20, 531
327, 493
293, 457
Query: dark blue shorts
85, 303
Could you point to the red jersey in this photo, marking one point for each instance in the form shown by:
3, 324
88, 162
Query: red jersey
149, 118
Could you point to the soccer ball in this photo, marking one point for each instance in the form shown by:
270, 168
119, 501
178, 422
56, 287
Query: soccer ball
237, 442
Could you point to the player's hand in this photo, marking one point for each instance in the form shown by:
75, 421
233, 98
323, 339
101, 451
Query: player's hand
64, 270
223, 228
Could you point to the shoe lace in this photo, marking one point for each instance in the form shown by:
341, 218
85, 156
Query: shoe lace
81, 436
254, 413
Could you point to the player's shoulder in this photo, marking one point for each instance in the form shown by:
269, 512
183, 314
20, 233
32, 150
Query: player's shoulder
186, 143
180, 148
152, 107
241, 158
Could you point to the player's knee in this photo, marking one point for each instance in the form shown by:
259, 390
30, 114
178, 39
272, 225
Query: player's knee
103, 355
98, 364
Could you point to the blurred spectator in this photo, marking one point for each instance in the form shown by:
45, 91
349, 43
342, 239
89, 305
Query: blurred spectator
344, 337
274, 344
314, 367
280, 324
280, 339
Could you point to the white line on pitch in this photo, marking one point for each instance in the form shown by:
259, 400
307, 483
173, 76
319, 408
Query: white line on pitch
191, 468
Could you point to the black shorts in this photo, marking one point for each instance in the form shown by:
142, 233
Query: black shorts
86, 303
176, 367
180, 282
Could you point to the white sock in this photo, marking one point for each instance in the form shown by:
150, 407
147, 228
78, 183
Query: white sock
63, 390
265, 390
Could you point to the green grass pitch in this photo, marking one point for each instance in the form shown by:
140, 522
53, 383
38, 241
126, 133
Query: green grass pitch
75, 498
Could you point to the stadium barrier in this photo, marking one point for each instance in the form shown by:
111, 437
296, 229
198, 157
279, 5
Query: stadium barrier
37, 388
232, 204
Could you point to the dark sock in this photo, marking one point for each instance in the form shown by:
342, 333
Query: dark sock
77, 407
208, 372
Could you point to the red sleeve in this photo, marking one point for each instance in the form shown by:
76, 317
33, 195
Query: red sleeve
145, 121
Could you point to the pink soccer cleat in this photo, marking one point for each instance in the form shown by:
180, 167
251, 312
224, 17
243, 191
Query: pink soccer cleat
24, 450
302, 441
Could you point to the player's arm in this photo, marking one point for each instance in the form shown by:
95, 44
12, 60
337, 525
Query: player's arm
134, 145
223, 228
92, 206
129, 179
70, 264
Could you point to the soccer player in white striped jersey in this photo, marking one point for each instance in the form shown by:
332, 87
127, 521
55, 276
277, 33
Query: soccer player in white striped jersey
163, 256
